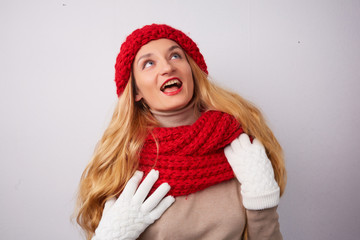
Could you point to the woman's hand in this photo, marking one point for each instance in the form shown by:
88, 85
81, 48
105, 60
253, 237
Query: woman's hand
254, 171
129, 215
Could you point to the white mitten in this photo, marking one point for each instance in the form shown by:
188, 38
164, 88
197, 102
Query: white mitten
129, 215
254, 171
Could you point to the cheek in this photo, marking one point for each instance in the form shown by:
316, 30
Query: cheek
142, 82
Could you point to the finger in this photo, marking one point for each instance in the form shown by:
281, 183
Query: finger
108, 204
235, 145
131, 186
155, 198
145, 187
228, 151
257, 143
244, 140
161, 208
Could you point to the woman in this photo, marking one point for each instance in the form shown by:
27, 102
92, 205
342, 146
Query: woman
210, 181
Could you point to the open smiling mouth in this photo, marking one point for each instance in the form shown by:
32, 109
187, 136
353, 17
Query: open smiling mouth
171, 85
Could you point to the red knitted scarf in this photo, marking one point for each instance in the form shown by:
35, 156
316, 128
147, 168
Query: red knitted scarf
191, 158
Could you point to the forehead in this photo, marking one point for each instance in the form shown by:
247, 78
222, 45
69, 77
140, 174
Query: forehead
156, 46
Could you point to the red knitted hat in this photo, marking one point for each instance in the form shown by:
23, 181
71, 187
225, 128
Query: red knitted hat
142, 36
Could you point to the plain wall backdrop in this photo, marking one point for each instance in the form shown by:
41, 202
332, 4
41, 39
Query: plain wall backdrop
298, 61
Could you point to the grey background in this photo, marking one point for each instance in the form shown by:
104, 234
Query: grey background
299, 61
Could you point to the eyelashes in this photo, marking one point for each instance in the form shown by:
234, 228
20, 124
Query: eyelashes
147, 63
176, 56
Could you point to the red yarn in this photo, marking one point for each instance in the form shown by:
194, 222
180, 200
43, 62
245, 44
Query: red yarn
142, 36
191, 158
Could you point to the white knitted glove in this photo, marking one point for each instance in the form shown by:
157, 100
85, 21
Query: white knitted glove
254, 171
129, 215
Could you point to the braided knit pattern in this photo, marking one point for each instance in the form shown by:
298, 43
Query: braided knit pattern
191, 158
142, 36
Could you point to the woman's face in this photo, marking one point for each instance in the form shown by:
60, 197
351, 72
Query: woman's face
163, 76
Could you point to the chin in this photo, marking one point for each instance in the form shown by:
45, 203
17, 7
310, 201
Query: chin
172, 104
178, 106
172, 107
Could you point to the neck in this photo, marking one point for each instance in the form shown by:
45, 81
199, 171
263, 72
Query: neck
184, 116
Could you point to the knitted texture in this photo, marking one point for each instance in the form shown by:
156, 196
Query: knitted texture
254, 171
125, 222
191, 158
142, 36
126, 217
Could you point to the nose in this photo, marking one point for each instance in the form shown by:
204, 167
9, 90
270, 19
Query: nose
167, 67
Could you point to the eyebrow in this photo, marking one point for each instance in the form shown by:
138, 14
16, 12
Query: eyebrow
173, 47
149, 54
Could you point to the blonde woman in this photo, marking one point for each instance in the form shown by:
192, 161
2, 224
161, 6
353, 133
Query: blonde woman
205, 177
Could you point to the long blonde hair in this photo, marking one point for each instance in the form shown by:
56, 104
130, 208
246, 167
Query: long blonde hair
117, 154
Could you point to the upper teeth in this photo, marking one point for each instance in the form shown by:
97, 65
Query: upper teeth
175, 81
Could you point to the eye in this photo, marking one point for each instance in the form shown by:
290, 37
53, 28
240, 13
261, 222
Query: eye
176, 56
148, 63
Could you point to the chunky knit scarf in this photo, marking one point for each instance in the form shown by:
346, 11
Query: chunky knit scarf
191, 158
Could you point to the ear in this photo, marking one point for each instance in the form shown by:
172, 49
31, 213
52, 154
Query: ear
138, 96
